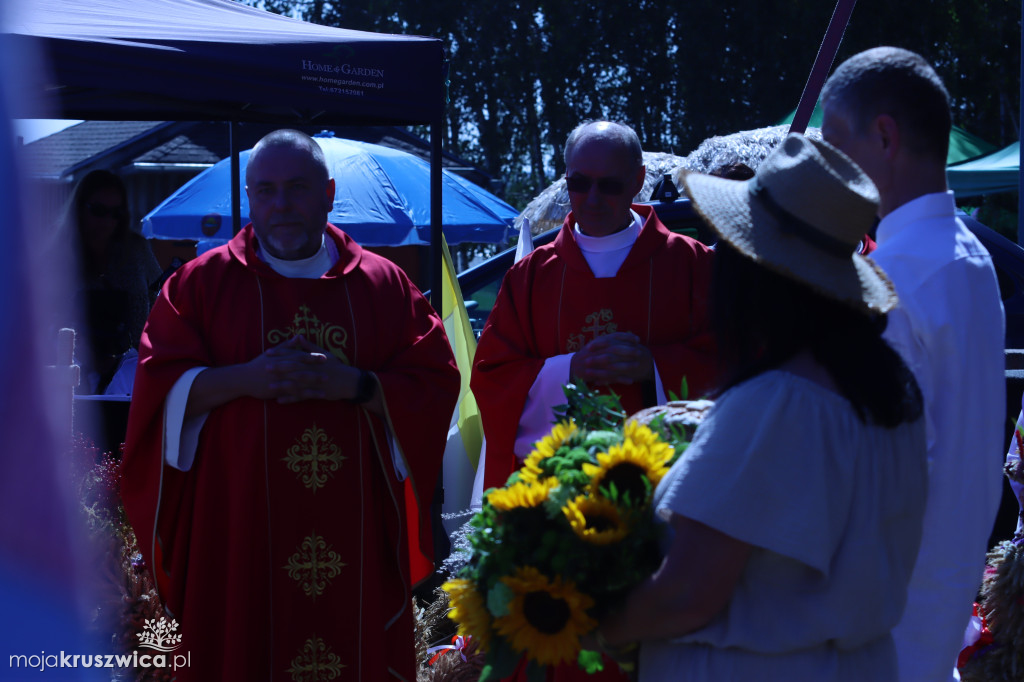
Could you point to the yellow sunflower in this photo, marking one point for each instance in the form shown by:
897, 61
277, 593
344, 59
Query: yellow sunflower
469, 611
546, 447
642, 435
522, 495
639, 455
595, 520
546, 617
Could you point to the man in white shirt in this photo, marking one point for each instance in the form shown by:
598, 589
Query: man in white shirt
616, 301
889, 111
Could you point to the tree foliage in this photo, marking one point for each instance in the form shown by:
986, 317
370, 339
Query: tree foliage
525, 72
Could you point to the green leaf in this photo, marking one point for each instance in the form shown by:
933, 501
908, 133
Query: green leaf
574, 481
498, 599
611, 491
602, 439
558, 498
590, 661
590, 409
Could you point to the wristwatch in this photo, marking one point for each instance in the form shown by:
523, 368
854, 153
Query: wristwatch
365, 386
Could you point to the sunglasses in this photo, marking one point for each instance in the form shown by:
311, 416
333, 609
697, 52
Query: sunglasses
610, 187
101, 211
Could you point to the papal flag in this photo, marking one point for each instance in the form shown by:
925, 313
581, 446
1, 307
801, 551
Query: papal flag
465, 433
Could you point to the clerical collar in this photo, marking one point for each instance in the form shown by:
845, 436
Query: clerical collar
612, 242
313, 267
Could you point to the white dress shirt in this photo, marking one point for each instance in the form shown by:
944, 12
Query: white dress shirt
949, 329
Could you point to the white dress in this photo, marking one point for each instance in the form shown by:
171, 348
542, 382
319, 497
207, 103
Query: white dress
833, 508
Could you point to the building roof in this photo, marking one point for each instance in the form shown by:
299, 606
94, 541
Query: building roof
142, 145
60, 154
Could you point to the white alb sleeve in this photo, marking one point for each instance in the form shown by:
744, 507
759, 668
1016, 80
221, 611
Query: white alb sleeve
181, 435
545, 393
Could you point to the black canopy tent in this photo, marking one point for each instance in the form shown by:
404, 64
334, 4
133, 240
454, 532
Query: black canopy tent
221, 60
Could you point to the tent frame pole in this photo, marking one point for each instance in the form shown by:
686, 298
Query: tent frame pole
236, 174
436, 234
1020, 135
822, 64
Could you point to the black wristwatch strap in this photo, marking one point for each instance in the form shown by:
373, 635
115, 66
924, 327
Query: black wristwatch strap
365, 386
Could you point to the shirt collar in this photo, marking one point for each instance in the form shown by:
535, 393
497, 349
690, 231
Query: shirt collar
313, 267
924, 206
611, 242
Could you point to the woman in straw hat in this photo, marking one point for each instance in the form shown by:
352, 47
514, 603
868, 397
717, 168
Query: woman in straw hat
796, 512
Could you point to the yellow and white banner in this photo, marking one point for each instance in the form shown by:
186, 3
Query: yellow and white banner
465, 433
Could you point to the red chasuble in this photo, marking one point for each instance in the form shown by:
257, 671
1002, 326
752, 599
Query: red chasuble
287, 552
550, 303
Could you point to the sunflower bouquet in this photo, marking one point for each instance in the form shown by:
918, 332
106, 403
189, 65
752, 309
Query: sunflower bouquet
562, 542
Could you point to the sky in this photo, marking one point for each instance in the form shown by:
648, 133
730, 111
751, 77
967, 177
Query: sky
34, 128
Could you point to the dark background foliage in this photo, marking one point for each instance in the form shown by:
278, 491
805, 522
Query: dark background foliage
525, 72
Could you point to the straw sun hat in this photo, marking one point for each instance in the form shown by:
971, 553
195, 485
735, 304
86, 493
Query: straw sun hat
802, 215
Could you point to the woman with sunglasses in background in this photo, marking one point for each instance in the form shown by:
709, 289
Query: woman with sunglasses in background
118, 277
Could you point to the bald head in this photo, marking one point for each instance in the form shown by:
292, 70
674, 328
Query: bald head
616, 134
293, 139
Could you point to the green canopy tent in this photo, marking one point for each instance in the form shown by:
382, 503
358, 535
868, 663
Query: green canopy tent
963, 146
995, 172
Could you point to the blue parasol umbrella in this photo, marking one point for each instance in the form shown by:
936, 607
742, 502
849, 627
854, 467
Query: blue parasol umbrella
382, 199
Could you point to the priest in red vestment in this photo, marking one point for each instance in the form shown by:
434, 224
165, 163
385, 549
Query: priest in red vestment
286, 432
616, 301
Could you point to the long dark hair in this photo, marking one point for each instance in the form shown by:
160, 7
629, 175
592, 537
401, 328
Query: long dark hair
93, 182
763, 319
74, 213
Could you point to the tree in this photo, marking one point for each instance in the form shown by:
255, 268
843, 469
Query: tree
525, 72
